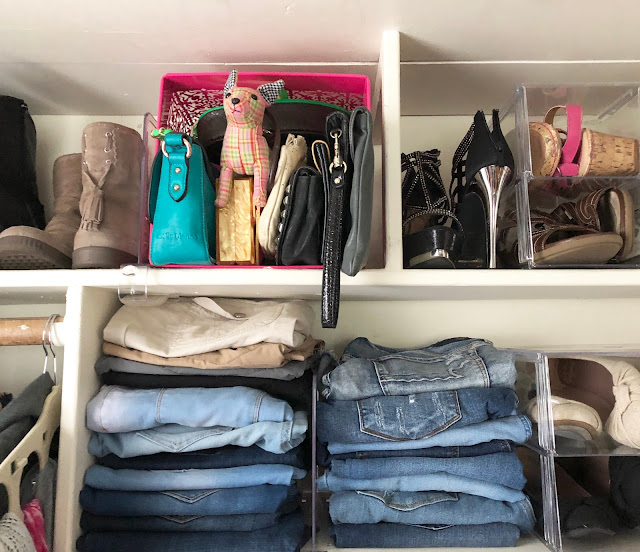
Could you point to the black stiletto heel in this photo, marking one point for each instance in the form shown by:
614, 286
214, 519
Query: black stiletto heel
489, 168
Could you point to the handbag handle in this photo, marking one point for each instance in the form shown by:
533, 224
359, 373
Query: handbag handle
274, 156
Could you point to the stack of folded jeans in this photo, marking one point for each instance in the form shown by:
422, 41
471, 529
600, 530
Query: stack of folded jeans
422, 446
201, 450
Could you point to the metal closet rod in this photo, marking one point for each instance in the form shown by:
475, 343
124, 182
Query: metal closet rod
29, 331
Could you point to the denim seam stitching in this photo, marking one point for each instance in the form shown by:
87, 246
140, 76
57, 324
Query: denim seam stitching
101, 410
416, 504
170, 448
158, 403
436, 357
258, 405
485, 369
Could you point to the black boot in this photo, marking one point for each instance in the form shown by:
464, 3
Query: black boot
19, 203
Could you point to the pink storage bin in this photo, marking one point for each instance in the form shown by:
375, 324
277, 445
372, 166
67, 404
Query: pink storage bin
205, 91
346, 91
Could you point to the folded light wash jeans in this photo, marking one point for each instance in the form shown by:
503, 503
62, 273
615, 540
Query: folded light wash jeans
271, 436
287, 536
182, 524
100, 477
369, 370
427, 508
342, 439
117, 409
498, 477
414, 416
394, 535
264, 499
504, 468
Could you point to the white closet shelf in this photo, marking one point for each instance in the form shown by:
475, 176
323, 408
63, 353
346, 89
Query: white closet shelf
404, 285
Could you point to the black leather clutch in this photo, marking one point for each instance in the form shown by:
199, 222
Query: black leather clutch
302, 219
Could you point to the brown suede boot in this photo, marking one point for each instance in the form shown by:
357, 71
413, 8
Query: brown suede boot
25, 247
109, 233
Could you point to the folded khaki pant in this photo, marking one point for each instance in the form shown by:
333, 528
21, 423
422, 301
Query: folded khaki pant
261, 355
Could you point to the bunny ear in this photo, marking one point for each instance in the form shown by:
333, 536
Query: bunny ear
231, 81
271, 91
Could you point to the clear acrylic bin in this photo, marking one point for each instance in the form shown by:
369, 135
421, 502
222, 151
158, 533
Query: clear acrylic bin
608, 108
571, 500
541, 375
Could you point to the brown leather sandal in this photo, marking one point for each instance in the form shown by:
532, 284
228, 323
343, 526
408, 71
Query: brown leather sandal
606, 210
556, 243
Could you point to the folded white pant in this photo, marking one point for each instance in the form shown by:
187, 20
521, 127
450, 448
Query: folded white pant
189, 326
571, 419
611, 386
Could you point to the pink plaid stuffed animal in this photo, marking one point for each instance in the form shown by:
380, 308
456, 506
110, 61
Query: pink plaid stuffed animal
245, 150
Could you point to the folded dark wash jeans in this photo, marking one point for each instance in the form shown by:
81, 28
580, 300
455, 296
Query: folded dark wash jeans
369, 370
395, 535
287, 536
503, 467
224, 457
183, 524
100, 477
427, 507
297, 392
498, 445
416, 416
262, 499
467, 477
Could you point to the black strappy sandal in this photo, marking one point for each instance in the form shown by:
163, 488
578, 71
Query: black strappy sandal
427, 242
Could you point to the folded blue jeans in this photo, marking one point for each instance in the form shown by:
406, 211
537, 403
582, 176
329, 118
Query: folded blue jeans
412, 483
498, 445
264, 499
427, 508
395, 535
369, 370
119, 409
100, 477
414, 416
287, 536
273, 437
225, 457
504, 468
513, 428
241, 522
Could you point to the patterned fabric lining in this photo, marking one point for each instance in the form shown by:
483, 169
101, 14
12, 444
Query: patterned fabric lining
186, 106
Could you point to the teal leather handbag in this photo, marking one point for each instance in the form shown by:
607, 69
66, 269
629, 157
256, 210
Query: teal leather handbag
181, 203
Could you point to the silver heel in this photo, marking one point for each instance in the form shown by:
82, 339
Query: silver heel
492, 180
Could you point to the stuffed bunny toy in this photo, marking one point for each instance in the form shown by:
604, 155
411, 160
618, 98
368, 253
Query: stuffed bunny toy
245, 150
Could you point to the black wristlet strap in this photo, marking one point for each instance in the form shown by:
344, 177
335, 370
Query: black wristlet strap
332, 244
332, 250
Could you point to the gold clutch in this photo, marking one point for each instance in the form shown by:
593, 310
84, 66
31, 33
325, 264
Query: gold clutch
236, 240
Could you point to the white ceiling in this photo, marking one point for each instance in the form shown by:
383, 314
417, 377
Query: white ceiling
210, 31
107, 56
